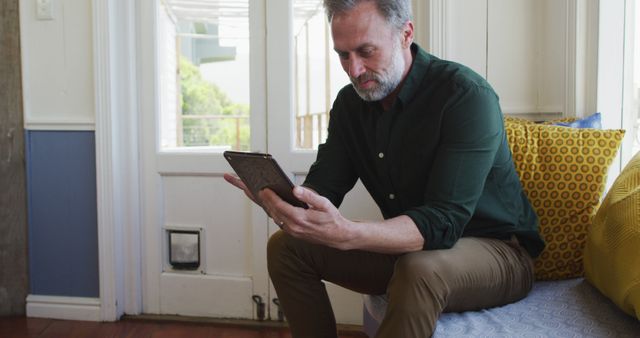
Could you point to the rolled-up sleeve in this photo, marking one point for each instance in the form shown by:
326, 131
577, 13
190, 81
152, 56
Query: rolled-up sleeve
472, 131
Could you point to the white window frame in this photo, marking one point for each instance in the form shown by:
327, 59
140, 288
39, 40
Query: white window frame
610, 80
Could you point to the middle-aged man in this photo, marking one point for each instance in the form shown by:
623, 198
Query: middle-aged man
426, 138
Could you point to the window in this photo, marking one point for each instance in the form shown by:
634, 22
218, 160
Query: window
204, 74
317, 72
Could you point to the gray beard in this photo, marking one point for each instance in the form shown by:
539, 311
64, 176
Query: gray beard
387, 83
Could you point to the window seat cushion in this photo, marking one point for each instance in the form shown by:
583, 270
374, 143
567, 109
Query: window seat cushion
565, 308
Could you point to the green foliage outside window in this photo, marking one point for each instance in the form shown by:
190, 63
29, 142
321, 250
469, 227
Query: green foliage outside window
209, 117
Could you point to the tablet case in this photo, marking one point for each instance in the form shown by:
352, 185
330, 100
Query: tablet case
259, 171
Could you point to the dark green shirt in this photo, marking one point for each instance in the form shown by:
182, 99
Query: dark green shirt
439, 155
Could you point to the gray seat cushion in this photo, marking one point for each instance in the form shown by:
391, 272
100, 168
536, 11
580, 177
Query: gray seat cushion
567, 308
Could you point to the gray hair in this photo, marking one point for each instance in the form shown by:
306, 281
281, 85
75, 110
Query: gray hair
396, 12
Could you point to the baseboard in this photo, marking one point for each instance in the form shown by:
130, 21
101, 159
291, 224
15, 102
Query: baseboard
58, 307
343, 329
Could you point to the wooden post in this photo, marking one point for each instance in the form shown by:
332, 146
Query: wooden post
13, 205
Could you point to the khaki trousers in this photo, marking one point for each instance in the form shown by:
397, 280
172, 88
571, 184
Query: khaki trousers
476, 273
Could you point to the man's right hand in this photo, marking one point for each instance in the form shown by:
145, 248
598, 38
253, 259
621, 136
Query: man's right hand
237, 182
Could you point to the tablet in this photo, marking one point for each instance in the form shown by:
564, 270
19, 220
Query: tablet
258, 171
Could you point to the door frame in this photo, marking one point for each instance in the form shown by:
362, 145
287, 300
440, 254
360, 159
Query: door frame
115, 32
125, 87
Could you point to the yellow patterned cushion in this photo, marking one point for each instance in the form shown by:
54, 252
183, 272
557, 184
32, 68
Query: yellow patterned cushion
512, 119
612, 254
563, 172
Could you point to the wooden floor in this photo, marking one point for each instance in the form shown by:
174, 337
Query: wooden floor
19, 327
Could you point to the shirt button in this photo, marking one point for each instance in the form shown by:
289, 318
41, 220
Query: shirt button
392, 196
381, 155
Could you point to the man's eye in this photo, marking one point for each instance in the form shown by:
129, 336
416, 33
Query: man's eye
366, 52
343, 56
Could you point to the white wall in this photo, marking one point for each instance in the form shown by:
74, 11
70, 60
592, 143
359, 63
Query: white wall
522, 47
57, 63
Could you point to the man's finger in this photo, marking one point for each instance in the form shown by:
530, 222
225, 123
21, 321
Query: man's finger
234, 181
267, 194
314, 200
237, 182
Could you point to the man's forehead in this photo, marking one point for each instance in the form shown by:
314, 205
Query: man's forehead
351, 32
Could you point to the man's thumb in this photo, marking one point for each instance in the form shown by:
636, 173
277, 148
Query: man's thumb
314, 200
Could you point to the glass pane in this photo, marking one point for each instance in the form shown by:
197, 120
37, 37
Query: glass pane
204, 74
318, 73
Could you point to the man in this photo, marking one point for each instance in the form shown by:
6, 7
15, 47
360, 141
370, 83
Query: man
426, 138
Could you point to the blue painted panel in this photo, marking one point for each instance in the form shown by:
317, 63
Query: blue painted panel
63, 232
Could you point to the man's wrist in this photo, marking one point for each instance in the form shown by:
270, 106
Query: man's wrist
352, 234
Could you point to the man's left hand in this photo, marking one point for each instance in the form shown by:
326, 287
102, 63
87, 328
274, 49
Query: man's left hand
321, 223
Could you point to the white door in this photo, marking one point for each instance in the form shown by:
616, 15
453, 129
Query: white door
205, 242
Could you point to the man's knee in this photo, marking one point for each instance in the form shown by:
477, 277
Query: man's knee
276, 242
276, 247
284, 253
418, 293
421, 274
420, 266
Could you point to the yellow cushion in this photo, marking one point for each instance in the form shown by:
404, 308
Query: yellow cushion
512, 119
563, 172
612, 254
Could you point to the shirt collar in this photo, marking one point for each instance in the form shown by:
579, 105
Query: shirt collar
416, 74
411, 84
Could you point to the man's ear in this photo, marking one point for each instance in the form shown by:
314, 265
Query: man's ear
407, 34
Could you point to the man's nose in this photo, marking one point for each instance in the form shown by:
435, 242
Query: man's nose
356, 67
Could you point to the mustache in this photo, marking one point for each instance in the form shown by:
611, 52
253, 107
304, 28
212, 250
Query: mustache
366, 76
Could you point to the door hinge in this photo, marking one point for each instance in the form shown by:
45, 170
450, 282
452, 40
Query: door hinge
260, 307
280, 313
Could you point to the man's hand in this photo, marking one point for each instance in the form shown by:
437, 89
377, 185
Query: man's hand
322, 223
237, 182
